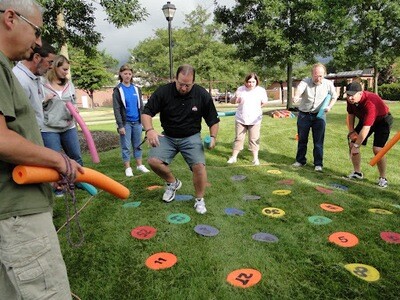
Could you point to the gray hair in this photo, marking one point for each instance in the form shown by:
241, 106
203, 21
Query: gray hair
24, 7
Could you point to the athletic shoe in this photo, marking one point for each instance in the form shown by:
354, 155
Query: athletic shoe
170, 190
318, 168
128, 172
142, 169
382, 182
297, 164
232, 160
355, 175
256, 162
200, 206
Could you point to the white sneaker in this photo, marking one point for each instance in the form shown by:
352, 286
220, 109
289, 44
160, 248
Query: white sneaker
170, 190
318, 168
297, 165
232, 160
256, 162
200, 206
128, 172
382, 182
142, 169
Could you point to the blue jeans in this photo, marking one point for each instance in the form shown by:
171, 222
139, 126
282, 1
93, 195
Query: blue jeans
67, 141
132, 137
190, 147
305, 122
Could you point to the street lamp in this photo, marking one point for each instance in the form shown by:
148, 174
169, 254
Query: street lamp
169, 11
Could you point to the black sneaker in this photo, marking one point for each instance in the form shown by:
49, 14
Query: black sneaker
355, 175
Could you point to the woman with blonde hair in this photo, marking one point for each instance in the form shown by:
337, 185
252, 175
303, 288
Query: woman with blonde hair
59, 131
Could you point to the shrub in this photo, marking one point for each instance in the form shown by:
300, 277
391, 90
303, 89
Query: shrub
104, 141
389, 91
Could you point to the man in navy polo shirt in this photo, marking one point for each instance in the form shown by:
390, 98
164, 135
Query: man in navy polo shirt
182, 105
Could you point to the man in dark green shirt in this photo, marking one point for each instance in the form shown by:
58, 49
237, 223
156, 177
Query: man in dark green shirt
31, 264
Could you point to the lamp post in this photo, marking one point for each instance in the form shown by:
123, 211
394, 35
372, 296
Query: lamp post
169, 11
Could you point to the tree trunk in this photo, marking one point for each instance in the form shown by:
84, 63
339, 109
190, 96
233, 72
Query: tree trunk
61, 26
376, 75
289, 103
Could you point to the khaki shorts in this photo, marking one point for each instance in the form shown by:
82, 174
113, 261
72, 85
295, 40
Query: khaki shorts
31, 263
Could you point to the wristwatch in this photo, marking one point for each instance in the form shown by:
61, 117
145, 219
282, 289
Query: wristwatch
356, 145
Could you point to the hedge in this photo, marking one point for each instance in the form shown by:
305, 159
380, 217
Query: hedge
390, 91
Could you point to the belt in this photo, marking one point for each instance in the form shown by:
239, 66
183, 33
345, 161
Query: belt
308, 112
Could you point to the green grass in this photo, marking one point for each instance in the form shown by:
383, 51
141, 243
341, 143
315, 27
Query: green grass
302, 265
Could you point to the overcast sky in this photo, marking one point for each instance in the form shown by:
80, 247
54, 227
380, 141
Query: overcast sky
117, 42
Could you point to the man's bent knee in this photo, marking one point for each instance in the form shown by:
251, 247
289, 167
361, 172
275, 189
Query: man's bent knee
154, 162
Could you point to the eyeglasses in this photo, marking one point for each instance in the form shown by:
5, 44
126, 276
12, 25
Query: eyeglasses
187, 85
38, 30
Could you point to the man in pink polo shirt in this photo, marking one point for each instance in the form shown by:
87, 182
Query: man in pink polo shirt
374, 118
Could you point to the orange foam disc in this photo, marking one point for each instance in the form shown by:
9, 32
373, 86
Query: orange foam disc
244, 278
343, 239
331, 207
161, 260
154, 187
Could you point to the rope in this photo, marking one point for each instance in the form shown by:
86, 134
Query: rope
69, 190
75, 296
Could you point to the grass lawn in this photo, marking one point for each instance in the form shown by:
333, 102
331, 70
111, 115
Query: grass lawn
302, 264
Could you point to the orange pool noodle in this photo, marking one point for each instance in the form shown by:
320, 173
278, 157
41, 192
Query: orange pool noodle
32, 174
385, 149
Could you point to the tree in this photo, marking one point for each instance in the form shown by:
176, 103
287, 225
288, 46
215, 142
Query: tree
90, 72
282, 33
197, 43
78, 16
374, 37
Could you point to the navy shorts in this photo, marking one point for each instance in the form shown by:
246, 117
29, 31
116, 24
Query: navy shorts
190, 147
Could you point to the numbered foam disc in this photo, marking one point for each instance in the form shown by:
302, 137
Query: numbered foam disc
183, 197
206, 230
143, 232
238, 177
234, 211
380, 211
339, 187
273, 212
251, 197
281, 192
323, 190
132, 204
390, 237
276, 172
319, 220
161, 260
244, 278
343, 239
154, 187
265, 237
364, 272
331, 207
178, 218
286, 181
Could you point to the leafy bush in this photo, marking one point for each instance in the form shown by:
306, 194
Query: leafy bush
104, 141
390, 91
